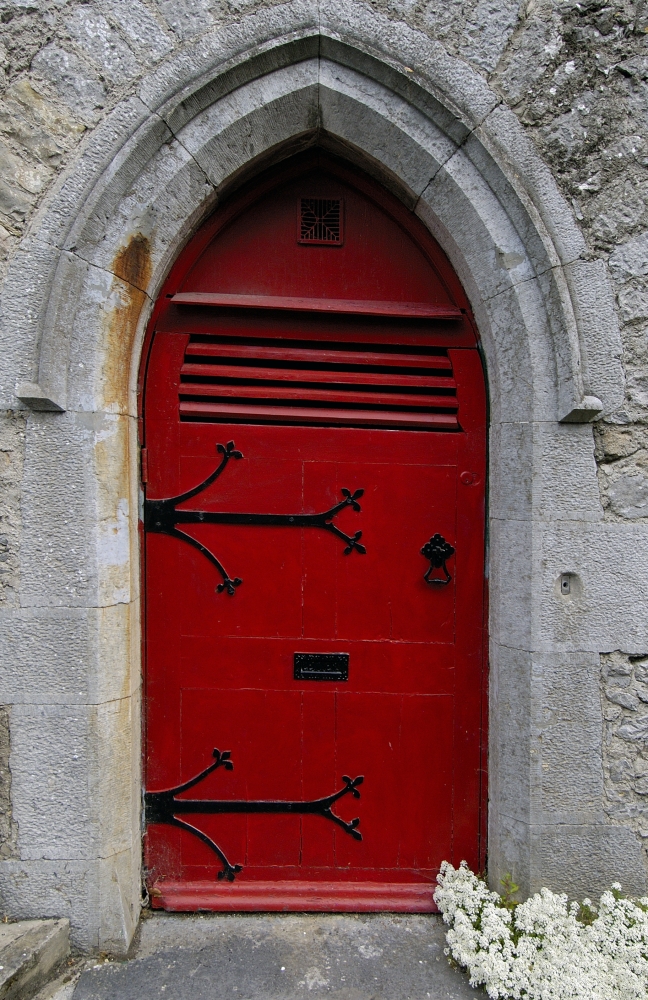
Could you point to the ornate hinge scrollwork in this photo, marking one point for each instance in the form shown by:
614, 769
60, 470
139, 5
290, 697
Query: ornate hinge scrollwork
163, 517
166, 807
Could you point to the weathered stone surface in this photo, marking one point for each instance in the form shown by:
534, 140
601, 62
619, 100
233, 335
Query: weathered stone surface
630, 260
67, 888
101, 43
12, 448
610, 562
8, 825
585, 860
488, 29
30, 952
51, 745
73, 80
629, 496
144, 32
68, 656
187, 18
333, 956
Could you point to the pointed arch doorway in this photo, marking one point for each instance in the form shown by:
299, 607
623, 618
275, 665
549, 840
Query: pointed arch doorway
314, 421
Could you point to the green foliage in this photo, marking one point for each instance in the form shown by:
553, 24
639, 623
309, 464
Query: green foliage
509, 889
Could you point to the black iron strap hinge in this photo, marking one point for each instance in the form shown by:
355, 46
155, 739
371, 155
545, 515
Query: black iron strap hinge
166, 807
163, 517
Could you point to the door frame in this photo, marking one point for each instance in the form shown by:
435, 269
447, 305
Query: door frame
241, 198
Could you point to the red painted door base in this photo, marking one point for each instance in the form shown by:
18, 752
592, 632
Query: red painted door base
314, 423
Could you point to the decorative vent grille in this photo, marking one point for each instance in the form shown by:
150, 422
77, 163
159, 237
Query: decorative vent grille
226, 379
320, 220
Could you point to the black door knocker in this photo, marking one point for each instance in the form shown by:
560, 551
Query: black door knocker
437, 550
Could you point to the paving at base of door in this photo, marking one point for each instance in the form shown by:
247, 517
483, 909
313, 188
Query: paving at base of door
281, 957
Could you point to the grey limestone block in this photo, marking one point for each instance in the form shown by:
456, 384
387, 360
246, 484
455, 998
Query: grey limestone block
77, 533
73, 80
51, 761
63, 889
451, 80
235, 72
68, 207
126, 166
564, 470
69, 656
119, 900
537, 40
567, 738
510, 724
187, 18
360, 111
522, 369
8, 825
102, 44
505, 138
584, 860
629, 496
75, 789
113, 313
508, 851
30, 952
487, 32
47, 656
513, 561
175, 82
630, 260
609, 563
398, 79
253, 119
521, 215
113, 778
157, 208
598, 329
144, 32
462, 200
512, 485
23, 304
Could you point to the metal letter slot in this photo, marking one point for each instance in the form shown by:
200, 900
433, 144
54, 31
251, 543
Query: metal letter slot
321, 666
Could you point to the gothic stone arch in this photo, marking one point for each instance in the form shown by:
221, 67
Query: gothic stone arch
78, 297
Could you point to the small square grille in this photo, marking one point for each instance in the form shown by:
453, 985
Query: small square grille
320, 221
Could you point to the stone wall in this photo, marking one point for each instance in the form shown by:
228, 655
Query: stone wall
576, 77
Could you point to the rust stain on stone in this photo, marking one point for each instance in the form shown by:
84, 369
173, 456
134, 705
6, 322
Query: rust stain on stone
132, 264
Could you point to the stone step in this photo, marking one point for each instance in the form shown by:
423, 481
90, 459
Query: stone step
30, 951
323, 956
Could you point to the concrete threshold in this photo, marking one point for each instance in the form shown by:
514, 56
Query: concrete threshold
30, 952
282, 957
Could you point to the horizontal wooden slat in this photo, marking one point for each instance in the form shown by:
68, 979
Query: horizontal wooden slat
297, 375
330, 356
357, 307
316, 415
289, 392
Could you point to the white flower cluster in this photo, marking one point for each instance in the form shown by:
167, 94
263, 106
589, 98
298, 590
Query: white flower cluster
545, 948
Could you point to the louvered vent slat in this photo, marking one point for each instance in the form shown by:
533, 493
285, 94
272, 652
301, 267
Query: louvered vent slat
358, 385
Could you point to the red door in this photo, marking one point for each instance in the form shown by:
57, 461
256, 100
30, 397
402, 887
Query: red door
314, 421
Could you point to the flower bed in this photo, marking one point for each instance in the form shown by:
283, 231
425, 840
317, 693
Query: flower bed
545, 948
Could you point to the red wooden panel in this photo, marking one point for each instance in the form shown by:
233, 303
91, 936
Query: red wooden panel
323, 395
282, 353
302, 415
406, 310
220, 668
295, 375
